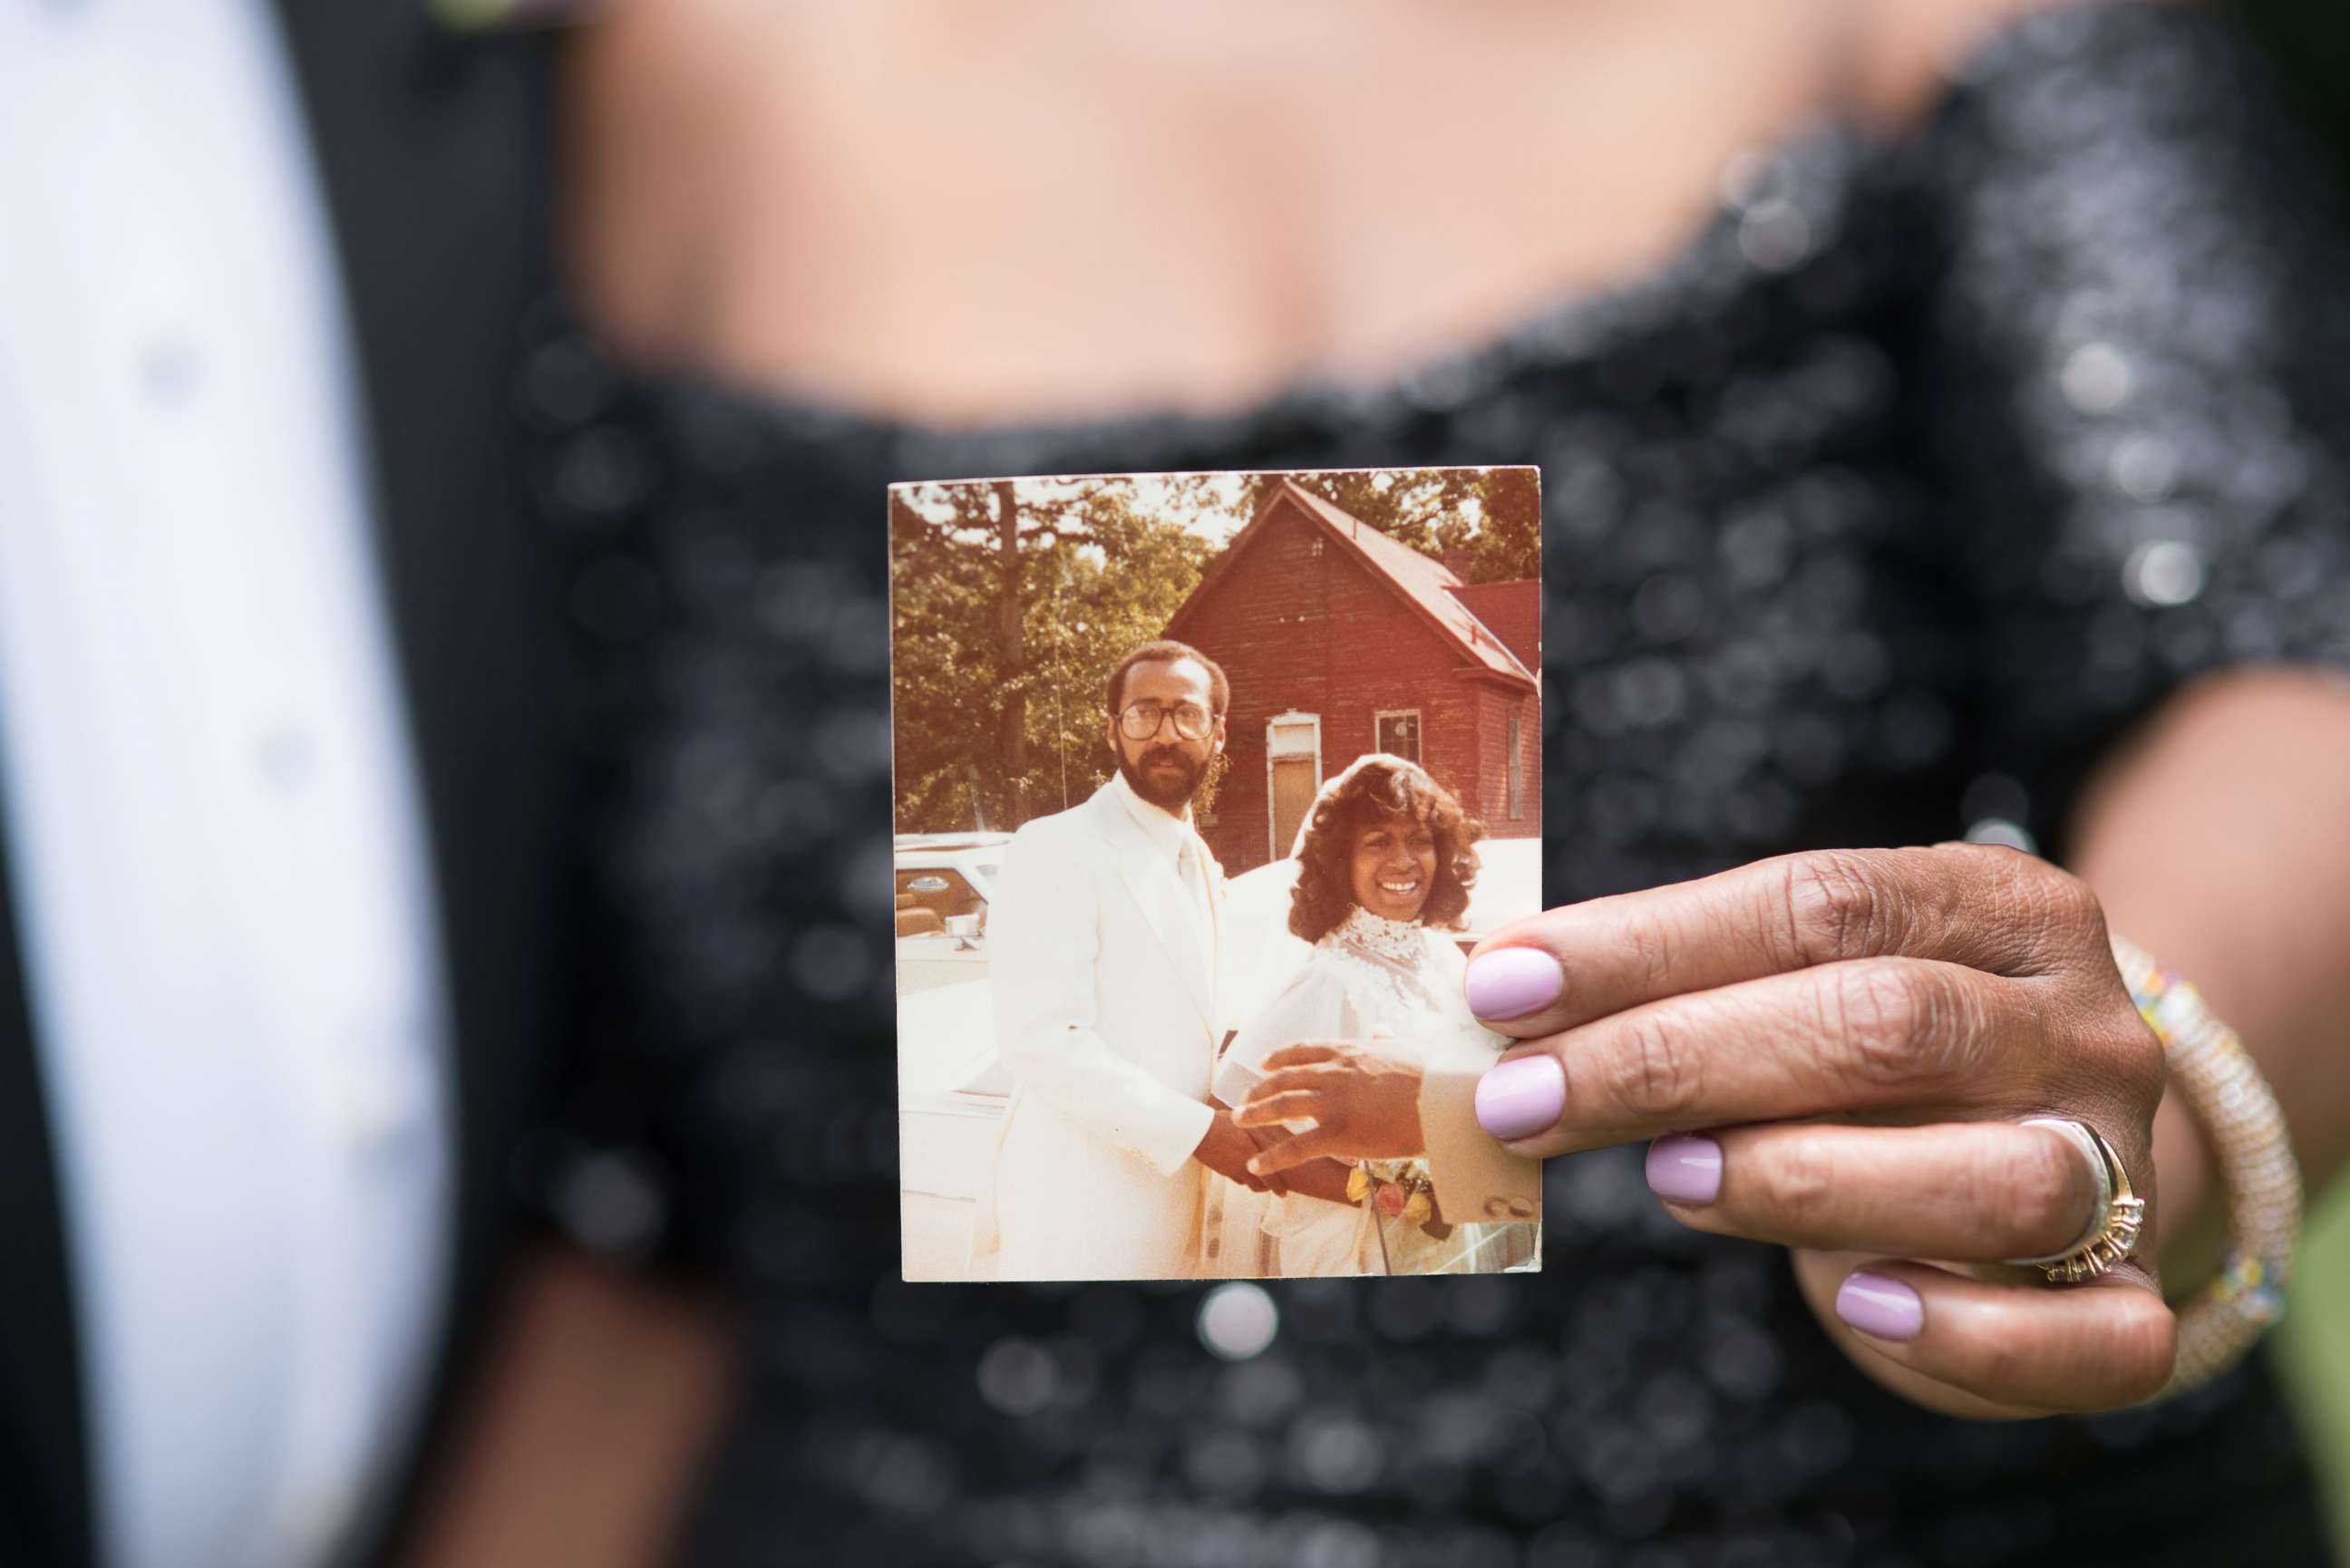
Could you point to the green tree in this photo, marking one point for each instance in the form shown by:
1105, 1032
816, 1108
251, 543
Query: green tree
1488, 518
1011, 603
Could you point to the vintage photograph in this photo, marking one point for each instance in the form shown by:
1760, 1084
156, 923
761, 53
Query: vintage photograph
1205, 784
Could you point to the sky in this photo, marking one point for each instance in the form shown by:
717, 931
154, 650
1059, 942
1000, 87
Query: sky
1215, 520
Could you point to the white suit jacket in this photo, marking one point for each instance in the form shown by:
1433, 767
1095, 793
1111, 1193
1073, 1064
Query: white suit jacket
1109, 1032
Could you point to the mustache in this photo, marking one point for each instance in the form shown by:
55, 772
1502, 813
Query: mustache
1165, 755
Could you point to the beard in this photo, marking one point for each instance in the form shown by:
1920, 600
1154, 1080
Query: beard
1165, 790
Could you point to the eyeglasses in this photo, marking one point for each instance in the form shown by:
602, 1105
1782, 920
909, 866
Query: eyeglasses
1140, 720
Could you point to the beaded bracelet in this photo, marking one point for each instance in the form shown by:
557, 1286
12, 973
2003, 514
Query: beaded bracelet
2246, 1130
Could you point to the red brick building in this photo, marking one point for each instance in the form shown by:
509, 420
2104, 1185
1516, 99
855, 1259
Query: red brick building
1338, 640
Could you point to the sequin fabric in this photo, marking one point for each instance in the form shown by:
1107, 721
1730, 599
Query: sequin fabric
1925, 468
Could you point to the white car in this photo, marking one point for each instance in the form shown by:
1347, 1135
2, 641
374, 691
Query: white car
944, 881
951, 1091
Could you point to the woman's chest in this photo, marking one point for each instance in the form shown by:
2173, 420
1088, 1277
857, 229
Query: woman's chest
1023, 209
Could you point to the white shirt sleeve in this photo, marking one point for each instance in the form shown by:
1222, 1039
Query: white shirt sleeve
231, 939
1313, 1006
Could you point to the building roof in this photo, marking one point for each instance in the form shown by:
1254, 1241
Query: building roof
1511, 611
1422, 582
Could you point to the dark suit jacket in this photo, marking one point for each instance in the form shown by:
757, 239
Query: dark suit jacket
431, 149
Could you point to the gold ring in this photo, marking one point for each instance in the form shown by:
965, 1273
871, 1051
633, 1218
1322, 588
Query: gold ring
2115, 1223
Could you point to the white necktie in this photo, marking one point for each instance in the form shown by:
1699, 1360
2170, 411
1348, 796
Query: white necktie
1201, 915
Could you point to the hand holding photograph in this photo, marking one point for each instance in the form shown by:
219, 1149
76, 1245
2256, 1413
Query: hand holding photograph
1205, 784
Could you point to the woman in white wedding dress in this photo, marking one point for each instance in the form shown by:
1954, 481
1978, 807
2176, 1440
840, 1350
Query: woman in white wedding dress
1385, 861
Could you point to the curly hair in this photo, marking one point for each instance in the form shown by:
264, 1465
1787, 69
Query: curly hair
1375, 788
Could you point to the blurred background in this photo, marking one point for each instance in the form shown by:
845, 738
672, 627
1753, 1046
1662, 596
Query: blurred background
729, 1113
2313, 1350
2310, 42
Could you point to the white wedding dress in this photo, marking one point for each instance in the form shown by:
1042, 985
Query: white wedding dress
1397, 984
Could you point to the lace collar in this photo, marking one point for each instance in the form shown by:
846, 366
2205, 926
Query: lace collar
1400, 943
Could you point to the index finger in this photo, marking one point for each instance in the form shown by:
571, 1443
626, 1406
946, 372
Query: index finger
1982, 906
1286, 1093
1304, 1056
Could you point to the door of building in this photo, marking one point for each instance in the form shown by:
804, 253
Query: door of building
1293, 785
1292, 747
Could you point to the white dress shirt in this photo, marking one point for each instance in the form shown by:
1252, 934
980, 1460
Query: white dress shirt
229, 951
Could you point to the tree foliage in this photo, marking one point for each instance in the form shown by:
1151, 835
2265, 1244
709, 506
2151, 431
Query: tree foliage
1486, 521
998, 718
1012, 601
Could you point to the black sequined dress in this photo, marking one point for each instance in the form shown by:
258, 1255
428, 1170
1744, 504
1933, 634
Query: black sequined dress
1928, 466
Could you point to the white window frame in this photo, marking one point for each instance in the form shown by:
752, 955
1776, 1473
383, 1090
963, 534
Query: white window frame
1515, 774
1302, 739
1418, 730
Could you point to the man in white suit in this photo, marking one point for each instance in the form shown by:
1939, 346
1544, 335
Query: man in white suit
1104, 969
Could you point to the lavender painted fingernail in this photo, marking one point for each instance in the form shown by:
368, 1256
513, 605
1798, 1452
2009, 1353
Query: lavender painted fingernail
1509, 982
1521, 1097
1880, 1306
1684, 1169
